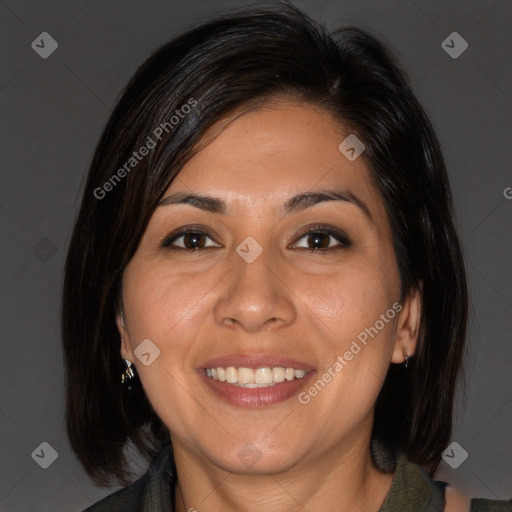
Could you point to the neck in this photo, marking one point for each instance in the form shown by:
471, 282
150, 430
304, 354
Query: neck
342, 479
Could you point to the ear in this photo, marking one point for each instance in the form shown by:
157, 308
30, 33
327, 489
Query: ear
126, 352
407, 326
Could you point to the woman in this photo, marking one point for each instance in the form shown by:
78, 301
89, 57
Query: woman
264, 290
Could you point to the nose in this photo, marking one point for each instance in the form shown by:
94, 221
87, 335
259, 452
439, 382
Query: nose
256, 295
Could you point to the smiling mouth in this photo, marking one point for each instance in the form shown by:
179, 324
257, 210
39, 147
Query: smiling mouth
262, 377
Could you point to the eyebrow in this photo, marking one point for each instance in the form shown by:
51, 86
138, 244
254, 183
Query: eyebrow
296, 203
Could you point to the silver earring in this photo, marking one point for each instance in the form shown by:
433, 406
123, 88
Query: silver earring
128, 374
406, 356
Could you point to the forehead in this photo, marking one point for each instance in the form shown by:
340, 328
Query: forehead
259, 158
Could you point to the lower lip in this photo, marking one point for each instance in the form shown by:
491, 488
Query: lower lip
256, 397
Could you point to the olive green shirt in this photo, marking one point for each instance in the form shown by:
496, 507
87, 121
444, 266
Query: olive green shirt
411, 491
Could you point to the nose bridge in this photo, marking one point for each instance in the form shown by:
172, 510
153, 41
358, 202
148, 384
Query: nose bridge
254, 293
252, 266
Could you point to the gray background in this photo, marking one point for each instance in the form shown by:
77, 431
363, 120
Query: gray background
53, 112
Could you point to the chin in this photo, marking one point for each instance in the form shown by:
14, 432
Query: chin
248, 458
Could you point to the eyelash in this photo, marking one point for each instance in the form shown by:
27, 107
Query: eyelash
317, 229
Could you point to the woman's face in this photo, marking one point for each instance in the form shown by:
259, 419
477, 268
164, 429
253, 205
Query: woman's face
250, 297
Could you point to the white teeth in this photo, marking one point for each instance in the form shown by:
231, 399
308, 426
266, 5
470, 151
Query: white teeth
249, 378
231, 375
263, 375
278, 374
246, 376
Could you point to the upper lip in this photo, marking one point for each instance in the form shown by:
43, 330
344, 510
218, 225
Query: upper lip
252, 360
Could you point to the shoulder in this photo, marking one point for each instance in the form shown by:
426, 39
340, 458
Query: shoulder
124, 500
153, 489
483, 505
456, 501
413, 489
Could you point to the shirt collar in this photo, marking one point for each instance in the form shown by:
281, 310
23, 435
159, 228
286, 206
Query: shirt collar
158, 494
411, 489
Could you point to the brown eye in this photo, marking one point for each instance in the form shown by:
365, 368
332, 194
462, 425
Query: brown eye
320, 239
191, 240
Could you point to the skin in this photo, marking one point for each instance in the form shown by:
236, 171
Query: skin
456, 500
289, 301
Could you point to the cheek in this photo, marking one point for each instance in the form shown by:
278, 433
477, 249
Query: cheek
353, 311
164, 307
161, 304
342, 305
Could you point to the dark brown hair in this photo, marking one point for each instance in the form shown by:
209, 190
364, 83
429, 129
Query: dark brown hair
223, 65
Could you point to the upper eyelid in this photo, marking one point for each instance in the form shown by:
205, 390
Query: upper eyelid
335, 233
304, 232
